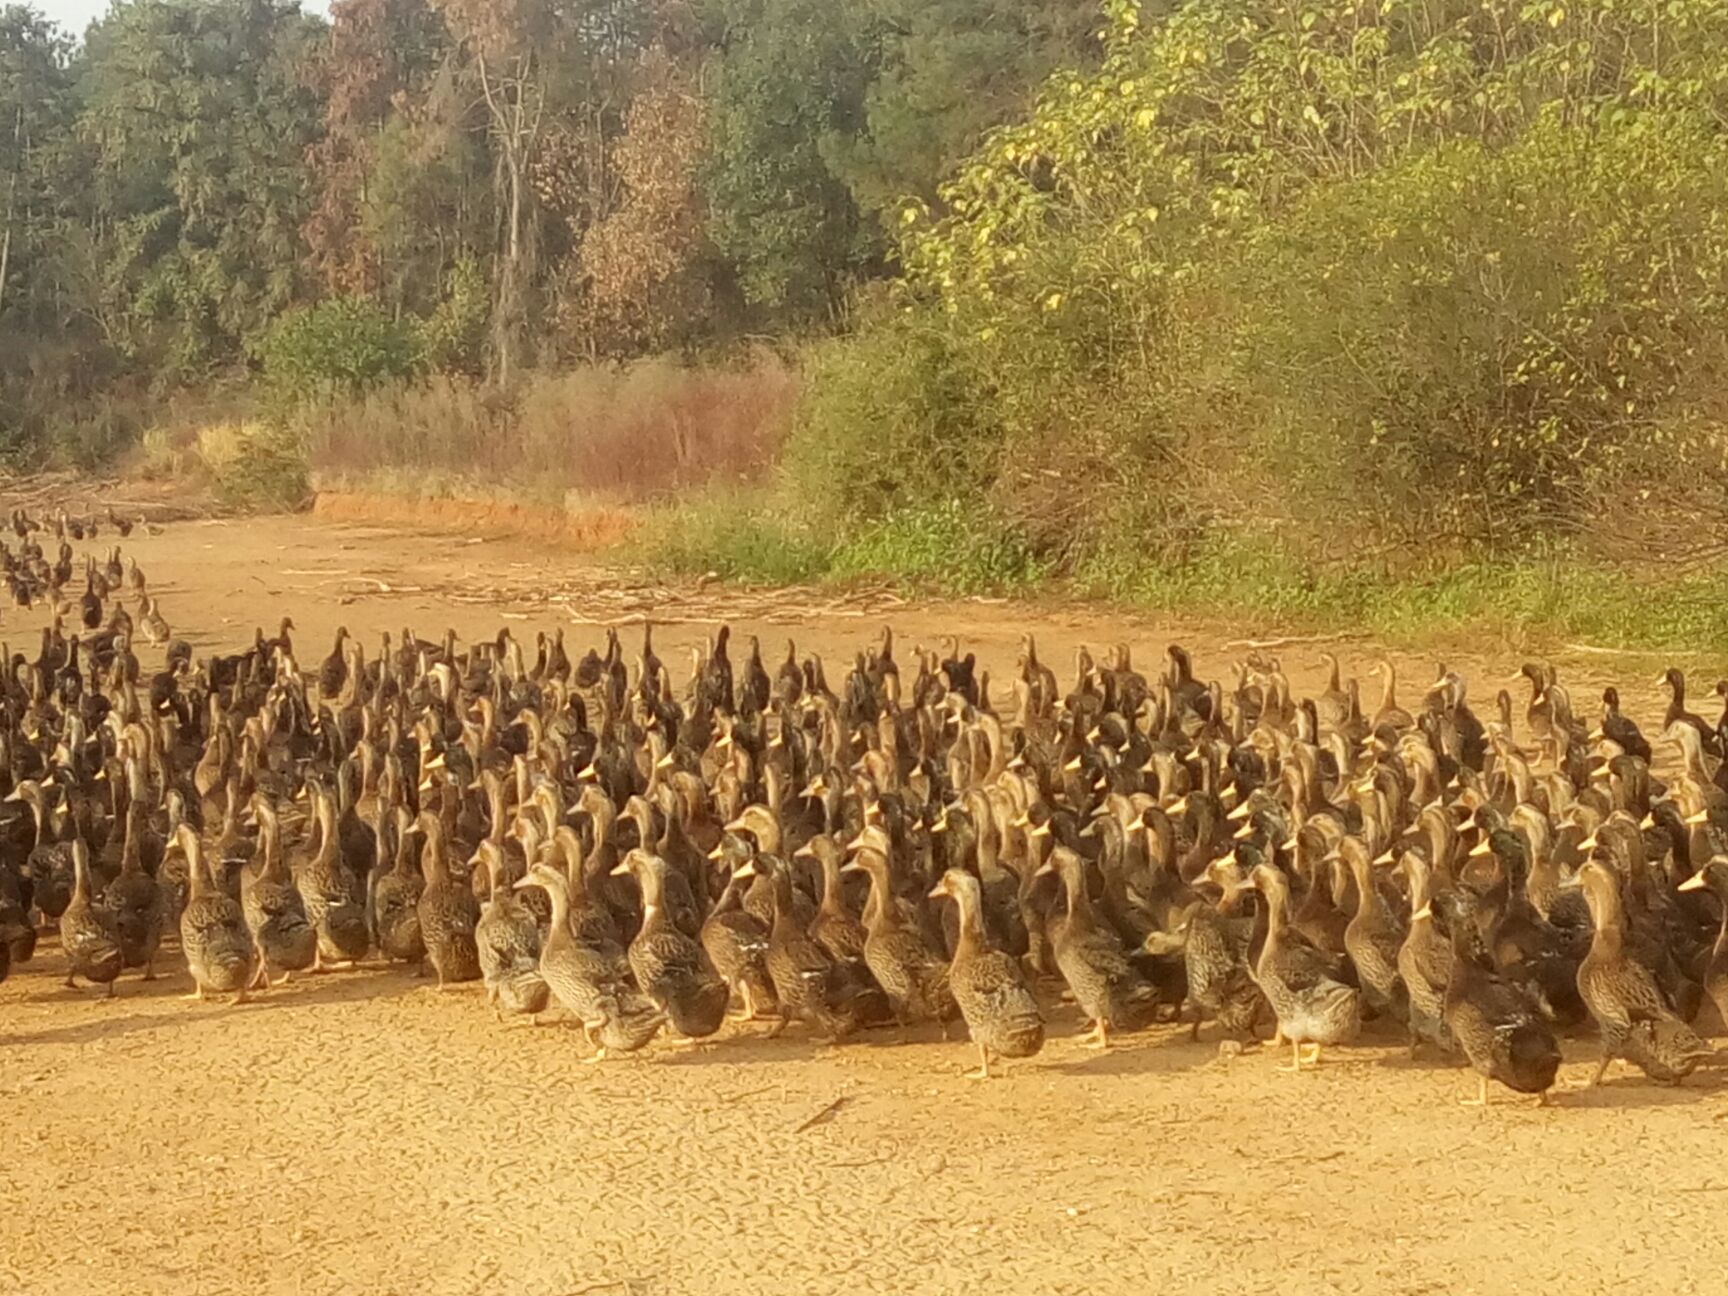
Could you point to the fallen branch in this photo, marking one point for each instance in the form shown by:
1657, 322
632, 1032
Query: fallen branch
1293, 641
1610, 652
822, 1117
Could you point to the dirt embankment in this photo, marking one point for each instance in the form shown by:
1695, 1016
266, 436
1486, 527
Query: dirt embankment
358, 1133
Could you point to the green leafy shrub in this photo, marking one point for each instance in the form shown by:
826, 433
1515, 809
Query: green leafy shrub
890, 420
733, 534
453, 338
948, 547
1488, 334
340, 347
255, 466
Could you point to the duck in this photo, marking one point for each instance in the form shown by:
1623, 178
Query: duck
1312, 1003
834, 927
213, 934
1636, 1019
1389, 715
912, 974
447, 910
88, 932
737, 945
274, 910
335, 898
1425, 961
1713, 877
1373, 936
153, 623
990, 990
1499, 1025
136, 902
594, 986
809, 984
1674, 681
1619, 729
507, 942
1214, 946
1108, 988
395, 901
672, 969
90, 605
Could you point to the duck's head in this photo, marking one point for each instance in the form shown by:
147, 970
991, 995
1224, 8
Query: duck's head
955, 884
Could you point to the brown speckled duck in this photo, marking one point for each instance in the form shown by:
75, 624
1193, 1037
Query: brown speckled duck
507, 942
737, 944
591, 984
1109, 989
1637, 1021
87, 930
997, 1005
448, 911
1313, 1005
213, 935
275, 913
673, 970
911, 973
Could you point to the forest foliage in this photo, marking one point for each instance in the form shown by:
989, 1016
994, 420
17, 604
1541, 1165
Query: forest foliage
1159, 294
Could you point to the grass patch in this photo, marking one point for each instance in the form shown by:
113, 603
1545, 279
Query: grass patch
1559, 598
730, 533
943, 548
750, 535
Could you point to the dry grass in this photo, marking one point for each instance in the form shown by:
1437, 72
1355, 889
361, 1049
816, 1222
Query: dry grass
578, 525
624, 435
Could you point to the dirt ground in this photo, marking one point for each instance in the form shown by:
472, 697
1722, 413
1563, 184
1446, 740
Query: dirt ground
357, 1133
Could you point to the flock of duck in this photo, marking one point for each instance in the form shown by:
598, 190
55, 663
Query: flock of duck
594, 836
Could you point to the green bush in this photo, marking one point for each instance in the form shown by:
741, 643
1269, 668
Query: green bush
453, 338
949, 547
890, 420
735, 535
256, 466
339, 347
1486, 335
1413, 278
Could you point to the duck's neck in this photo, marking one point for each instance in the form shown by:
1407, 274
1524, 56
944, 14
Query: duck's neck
971, 941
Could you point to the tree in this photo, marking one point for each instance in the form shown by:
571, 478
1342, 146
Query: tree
198, 116
637, 264
381, 58
35, 109
504, 38
951, 70
788, 99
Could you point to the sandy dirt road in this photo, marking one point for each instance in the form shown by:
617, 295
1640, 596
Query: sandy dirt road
357, 1133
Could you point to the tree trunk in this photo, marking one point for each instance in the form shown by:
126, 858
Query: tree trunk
516, 128
11, 202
